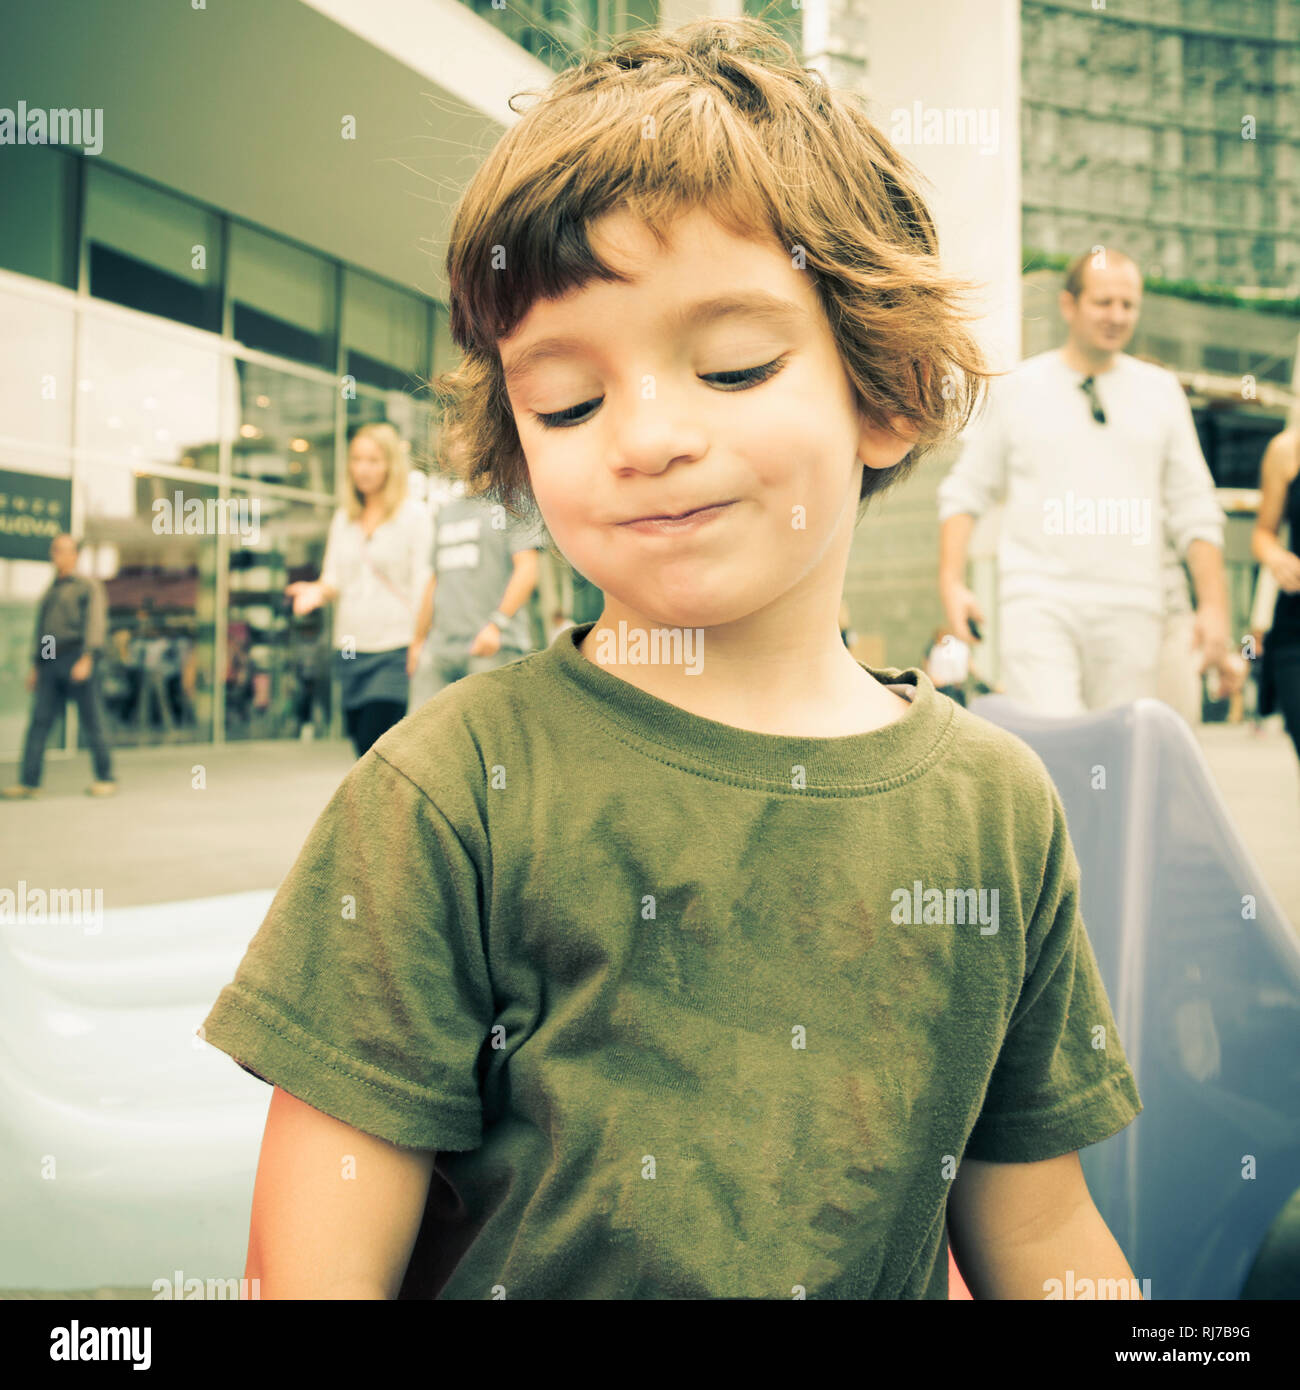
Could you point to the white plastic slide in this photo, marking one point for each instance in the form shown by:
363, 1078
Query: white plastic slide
1203, 972
128, 1145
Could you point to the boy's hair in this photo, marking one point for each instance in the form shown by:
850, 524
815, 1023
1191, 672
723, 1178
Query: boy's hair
393, 447
717, 116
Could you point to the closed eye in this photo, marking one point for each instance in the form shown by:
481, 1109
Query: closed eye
743, 380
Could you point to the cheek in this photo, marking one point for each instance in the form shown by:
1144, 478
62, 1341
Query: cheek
558, 486
800, 460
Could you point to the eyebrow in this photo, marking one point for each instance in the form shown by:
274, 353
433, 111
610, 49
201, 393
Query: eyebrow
752, 304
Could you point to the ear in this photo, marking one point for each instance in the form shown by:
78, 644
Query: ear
881, 448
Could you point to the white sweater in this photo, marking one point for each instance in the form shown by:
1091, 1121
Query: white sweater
381, 580
1088, 506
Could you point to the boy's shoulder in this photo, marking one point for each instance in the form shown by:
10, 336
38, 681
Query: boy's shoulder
1005, 771
468, 724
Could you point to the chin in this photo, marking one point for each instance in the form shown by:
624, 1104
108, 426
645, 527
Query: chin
694, 614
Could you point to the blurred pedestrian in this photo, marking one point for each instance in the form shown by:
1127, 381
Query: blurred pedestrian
1178, 683
376, 566
71, 635
485, 566
1097, 458
1279, 501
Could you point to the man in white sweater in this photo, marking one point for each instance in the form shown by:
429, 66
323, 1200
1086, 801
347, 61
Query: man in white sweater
1096, 456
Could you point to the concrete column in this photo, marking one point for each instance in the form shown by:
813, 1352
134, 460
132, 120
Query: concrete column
674, 13
942, 81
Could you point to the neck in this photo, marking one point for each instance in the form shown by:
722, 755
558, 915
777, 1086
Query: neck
765, 673
1087, 360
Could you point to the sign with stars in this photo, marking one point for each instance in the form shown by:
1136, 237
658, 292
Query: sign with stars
34, 508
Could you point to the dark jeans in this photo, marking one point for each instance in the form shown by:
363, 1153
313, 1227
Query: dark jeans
54, 687
1286, 677
366, 722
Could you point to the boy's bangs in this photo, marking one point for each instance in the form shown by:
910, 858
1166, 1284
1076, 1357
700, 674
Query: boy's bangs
538, 243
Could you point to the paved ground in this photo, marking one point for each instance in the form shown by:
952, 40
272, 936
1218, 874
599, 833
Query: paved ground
161, 838
1259, 778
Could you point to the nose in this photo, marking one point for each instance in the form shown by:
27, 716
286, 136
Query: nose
652, 433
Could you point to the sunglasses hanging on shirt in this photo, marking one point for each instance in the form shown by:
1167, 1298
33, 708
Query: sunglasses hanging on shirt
1089, 387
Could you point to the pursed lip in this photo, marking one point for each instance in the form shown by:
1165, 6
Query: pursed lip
679, 516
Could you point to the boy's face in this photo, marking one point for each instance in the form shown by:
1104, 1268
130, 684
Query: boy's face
665, 414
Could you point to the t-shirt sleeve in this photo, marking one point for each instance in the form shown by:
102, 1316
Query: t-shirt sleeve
1061, 1080
366, 992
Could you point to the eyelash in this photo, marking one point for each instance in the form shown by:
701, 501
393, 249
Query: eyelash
750, 377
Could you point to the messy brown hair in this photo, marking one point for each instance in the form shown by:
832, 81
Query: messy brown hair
742, 130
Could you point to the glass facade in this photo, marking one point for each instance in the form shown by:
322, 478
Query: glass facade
150, 250
556, 32
196, 381
282, 298
157, 674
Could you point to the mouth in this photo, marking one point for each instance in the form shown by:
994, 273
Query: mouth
679, 516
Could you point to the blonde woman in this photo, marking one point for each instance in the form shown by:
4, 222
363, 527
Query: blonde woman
377, 564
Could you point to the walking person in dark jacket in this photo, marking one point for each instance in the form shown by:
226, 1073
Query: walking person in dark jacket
71, 633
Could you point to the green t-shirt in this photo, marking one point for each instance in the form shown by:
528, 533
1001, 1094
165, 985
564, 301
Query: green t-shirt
687, 1011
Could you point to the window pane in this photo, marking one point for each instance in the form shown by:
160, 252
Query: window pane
36, 377
145, 396
152, 251
386, 334
282, 298
158, 564
446, 354
286, 429
43, 240
278, 680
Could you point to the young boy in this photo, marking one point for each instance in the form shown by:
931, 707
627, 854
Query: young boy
687, 958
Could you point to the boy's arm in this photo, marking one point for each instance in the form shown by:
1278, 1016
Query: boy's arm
1015, 1226
336, 1212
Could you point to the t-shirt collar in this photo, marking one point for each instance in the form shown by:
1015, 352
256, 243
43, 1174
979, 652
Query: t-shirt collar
854, 764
